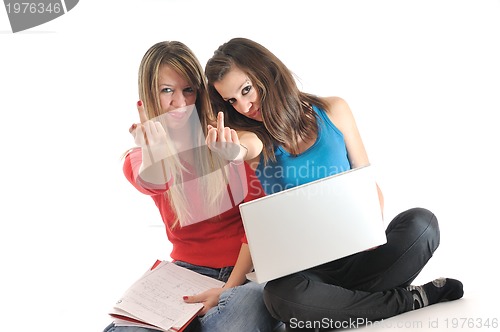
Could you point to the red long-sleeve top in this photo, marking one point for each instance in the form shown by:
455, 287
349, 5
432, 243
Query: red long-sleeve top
214, 242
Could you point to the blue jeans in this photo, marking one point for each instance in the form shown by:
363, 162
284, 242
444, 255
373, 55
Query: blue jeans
240, 308
366, 286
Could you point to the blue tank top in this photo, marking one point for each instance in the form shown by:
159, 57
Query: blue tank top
327, 156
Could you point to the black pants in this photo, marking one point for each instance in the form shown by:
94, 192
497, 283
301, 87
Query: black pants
366, 286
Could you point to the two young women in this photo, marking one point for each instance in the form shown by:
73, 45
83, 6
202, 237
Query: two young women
273, 126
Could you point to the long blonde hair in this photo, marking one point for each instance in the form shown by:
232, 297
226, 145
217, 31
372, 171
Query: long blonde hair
209, 168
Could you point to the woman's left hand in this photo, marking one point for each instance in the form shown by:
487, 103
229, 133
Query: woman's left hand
209, 299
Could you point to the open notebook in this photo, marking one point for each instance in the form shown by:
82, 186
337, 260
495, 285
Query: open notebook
312, 224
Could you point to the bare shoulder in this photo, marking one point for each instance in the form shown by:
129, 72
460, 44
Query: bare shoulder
247, 136
339, 111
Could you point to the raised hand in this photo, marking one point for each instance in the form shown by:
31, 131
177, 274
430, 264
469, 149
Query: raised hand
152, 138
224, 140
148, 133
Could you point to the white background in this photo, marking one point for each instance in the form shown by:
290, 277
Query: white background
422, 78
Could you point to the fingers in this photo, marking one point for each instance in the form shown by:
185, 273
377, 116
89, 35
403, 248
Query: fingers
208, 298
150, 132
220, 127
234, 136
160, 130
224, 134
139, 129
199, 298
139, 135
132, 128
154, 132
223, 140
149, 129
142, 113
193, 299
211, 136
220, 120
147, 132
220, 136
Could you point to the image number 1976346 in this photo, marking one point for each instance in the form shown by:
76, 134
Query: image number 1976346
26, 14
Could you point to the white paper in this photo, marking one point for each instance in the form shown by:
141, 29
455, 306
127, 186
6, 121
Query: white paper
156, 298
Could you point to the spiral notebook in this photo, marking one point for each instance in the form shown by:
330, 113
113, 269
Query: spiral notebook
312, 224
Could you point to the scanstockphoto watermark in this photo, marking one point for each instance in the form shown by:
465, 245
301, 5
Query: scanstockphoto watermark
354, 323
26, 14
438, 323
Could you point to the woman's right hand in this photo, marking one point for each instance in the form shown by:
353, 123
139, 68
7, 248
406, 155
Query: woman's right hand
147, 133
224, 141
151, 137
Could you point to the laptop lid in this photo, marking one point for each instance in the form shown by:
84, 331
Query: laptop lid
313, 224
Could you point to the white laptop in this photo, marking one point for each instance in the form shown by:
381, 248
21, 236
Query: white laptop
312, 224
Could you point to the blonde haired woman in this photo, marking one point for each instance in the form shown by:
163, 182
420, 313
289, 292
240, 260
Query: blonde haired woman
197, 193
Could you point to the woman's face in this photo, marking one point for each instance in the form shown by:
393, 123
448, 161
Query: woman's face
237, 89
177, 97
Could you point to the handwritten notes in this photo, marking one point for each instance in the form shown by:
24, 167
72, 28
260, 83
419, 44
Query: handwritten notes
156, 298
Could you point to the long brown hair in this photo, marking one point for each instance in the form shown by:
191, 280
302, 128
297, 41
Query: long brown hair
286, 111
